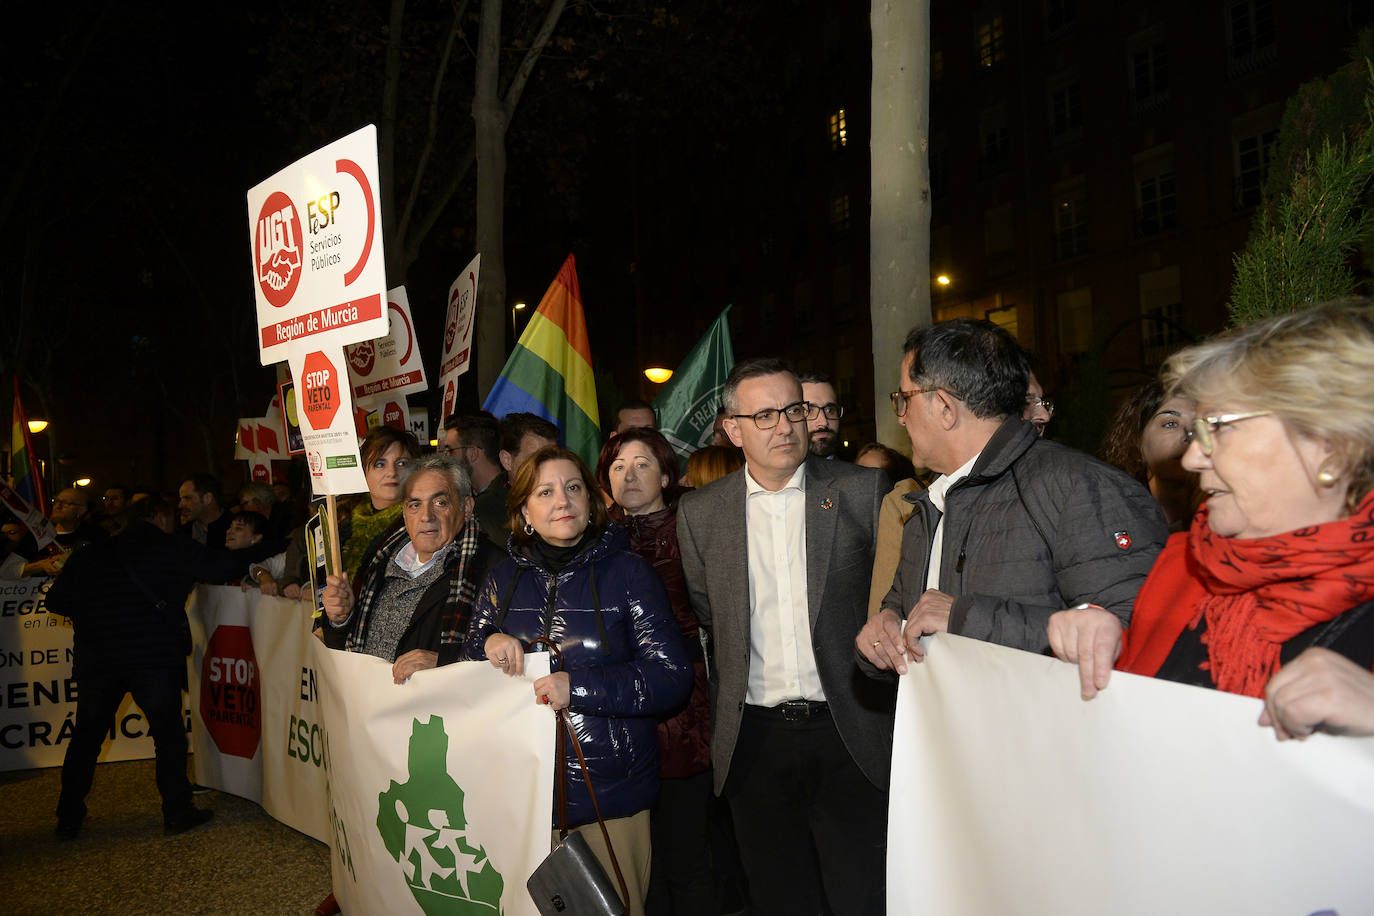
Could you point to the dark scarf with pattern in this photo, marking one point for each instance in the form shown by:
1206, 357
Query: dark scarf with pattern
1264, 591
459, 569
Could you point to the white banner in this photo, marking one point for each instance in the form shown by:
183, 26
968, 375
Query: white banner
1010, 794
324, 407
319, 273
37, 690
457, 355
258, 733
389, 365
440, 788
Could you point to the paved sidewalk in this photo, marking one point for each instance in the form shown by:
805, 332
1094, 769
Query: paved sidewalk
241, 862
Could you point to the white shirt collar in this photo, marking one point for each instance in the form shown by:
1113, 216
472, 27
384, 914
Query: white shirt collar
940, 485
796, 482
409, 563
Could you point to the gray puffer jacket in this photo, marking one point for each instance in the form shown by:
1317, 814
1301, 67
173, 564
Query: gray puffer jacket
1036, 527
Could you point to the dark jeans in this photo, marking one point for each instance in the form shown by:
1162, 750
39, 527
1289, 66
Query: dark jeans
812, 829
680, 876
157, 691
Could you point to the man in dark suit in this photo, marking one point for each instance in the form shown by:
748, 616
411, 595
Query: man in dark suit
777, 558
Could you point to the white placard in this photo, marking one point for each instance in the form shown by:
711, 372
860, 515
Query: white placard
389, 365
325, 410
457, 356
1010, 794
319, 271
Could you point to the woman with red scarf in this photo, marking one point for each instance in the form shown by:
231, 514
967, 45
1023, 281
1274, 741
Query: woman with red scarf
1280, 556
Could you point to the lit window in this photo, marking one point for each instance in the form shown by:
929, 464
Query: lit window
838, 132
992, 49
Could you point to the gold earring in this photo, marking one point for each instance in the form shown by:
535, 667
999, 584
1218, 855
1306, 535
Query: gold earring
1326, 478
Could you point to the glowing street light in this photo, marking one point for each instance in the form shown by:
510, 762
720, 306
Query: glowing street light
942, 279
518, 307
82, 481
37, 426
658, 375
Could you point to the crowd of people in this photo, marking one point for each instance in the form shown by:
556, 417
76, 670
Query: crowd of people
729, 632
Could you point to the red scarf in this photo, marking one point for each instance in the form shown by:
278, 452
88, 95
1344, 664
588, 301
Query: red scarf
1261, 592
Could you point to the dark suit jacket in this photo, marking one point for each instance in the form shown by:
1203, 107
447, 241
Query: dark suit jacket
842, 503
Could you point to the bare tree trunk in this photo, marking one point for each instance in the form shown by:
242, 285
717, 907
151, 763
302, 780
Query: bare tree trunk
386, 141
899, 218
492, 115
489, 116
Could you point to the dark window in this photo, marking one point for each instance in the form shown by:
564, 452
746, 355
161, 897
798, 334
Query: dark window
1158, 208
1252, 167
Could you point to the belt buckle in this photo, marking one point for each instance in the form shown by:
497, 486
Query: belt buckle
796, 711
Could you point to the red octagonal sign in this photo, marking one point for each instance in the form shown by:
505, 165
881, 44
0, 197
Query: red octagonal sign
322, 393
229, 692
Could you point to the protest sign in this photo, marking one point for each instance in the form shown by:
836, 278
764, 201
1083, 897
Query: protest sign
318, 269
389, 365
457, 355
325, 411
440, 789
37, 523
1010, 794
382, 410
38, 715
290, 422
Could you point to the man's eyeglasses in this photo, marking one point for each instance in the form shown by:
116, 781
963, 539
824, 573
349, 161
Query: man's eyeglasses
768, 417
67, 502
1203, 427
454, 450
1032, 403
832, 410
901, 400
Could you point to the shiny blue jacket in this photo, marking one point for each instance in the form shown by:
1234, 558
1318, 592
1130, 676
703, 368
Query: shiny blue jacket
609, 615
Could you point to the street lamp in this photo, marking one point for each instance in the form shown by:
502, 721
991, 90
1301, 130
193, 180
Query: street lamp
37, 426
82, 481
942, 279
518, 307
658, 375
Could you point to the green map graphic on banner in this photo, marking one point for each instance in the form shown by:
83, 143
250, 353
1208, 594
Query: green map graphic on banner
686, 406
423, 826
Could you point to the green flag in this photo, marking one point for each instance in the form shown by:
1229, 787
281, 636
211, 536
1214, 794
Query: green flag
686, 406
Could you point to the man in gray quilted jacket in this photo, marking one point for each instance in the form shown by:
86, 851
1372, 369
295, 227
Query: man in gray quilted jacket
1016, 527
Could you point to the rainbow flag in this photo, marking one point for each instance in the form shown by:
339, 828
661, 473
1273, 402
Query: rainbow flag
28, 481
550, 371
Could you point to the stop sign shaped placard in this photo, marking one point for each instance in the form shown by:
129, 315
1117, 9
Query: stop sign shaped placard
230, 693
322, 394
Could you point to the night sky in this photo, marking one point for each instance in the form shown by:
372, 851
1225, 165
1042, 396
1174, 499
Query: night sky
134, 134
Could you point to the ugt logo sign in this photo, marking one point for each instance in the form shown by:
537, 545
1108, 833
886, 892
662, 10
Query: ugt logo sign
276, 247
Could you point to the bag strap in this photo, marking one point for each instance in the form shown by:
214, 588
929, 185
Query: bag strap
560, 780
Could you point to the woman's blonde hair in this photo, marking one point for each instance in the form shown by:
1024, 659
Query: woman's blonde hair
1313, 368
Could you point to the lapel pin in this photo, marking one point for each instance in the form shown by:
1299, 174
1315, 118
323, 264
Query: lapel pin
827, 503
1123, 539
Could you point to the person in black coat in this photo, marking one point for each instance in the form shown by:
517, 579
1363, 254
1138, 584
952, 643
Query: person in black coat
126, 598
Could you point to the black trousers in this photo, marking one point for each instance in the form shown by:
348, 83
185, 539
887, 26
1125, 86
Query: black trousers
812, 829
680, 882
157, 691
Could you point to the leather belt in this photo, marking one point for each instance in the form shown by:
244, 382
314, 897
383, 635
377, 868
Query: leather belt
791, 710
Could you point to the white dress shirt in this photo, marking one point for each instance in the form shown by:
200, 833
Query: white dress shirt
938, 488
782, 665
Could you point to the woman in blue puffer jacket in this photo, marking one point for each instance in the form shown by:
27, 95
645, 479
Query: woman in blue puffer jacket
572, 578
